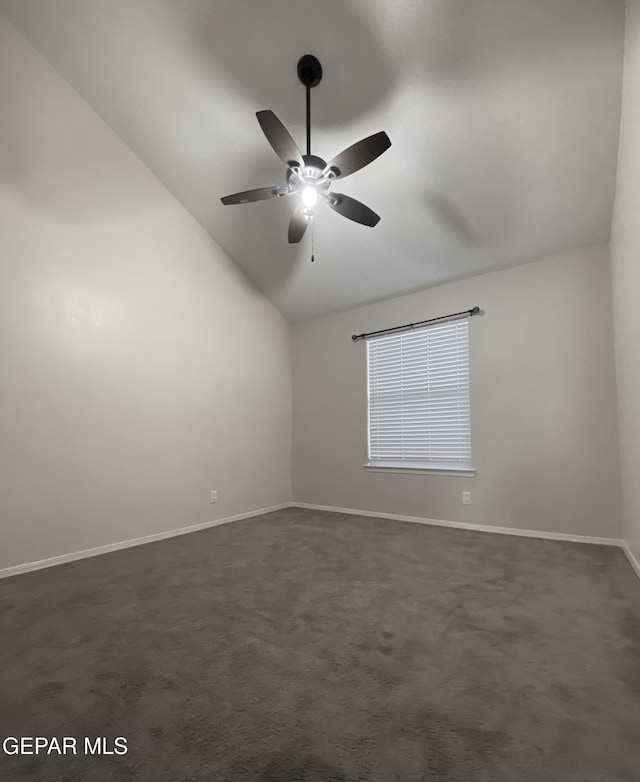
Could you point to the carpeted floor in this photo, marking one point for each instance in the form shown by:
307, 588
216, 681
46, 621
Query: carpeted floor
312, 647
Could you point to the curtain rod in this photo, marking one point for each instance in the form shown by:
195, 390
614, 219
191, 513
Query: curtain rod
409, 326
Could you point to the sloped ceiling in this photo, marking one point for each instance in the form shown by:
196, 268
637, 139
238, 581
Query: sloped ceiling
504, 118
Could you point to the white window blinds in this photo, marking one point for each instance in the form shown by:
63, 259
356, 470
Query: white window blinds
418, 391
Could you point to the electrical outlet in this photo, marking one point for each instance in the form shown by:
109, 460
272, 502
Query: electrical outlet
214, 497
466, 498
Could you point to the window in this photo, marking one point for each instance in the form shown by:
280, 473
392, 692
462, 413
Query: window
418, 394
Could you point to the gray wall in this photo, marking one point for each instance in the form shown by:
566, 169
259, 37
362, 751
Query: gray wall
543, 403
625, 249
139, 368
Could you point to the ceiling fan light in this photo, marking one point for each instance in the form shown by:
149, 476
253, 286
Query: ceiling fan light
309, 197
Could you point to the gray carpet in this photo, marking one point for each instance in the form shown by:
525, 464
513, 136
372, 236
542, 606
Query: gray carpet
312, 647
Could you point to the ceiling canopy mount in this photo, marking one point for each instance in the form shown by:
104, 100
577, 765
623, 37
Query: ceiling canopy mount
309, 70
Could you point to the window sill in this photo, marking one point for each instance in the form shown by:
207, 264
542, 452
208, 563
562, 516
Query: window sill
414, 469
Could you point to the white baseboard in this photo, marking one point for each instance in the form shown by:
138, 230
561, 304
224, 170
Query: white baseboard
94, 552
527, 533
631, 557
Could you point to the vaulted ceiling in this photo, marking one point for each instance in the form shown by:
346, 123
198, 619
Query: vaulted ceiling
504, 118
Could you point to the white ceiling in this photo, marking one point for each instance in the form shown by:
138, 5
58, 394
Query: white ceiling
504, 118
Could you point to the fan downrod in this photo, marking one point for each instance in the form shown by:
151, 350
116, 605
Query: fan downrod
309, 70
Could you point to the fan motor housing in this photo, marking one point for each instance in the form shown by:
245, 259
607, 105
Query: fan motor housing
315, 163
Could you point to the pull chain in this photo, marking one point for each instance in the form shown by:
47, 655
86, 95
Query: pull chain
313, 257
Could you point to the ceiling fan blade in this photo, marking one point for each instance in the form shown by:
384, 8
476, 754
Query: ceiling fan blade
260, 194
359, 154
298, 225
279, 138
354, 210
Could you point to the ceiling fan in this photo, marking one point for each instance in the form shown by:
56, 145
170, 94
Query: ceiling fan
309, 177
